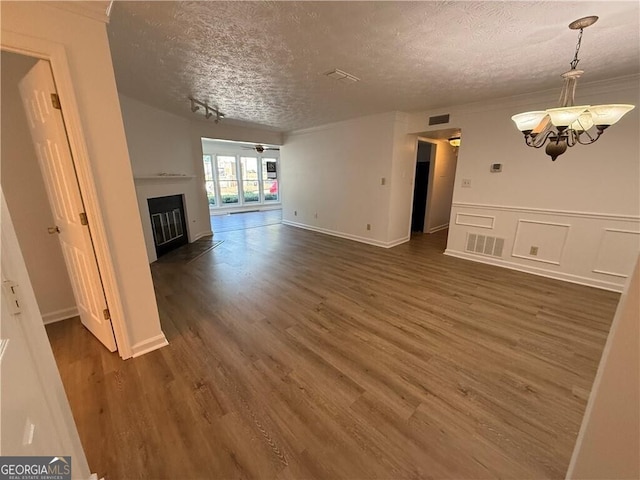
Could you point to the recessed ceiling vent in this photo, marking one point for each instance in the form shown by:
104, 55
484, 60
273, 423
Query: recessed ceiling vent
439, 119
484, 245
342, 76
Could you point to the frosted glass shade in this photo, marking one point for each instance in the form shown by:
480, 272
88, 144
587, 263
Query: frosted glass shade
528, 120
565, 116
608, 114
583, 123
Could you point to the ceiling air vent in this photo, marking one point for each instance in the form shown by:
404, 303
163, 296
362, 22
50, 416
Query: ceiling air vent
484, 245
439, 119
342, 76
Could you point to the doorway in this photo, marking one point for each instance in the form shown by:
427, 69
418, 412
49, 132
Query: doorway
421, 187
44, 199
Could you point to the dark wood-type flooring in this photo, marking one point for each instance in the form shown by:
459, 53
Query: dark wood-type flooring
295, 355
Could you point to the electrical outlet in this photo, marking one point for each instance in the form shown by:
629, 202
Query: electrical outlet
533, 251
368, 226
466, 183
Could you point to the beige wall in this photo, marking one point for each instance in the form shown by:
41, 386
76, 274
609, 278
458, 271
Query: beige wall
26, 197
444, 171
609, 441
91, 73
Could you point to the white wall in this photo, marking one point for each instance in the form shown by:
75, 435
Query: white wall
332, 178
86, 47
582, 210
161, 142
403, 172
30, 206
608, 445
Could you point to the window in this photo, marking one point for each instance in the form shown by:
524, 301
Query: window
250, 184
269, 179
234, 180
228, 179
209, 180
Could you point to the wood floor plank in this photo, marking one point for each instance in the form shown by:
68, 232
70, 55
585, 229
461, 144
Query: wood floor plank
295, 355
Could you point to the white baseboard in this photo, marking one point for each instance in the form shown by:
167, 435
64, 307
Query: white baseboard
567, 277
59, 315
444, 226
149, 345
348, 236
200, 235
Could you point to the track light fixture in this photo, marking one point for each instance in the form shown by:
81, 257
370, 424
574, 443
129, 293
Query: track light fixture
209, 111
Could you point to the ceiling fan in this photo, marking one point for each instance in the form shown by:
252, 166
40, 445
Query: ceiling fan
260, 148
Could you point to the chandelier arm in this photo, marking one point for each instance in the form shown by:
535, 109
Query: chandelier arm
591, 139
539, 140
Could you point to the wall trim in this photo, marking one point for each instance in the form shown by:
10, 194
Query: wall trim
149, 345
516, 237
348, 236
548, 211
59, 315
542, 272
444, 226
458, 222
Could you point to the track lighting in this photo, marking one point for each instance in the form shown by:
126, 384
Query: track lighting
209, 111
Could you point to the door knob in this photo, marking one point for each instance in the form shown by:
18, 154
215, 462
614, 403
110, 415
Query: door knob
53, 230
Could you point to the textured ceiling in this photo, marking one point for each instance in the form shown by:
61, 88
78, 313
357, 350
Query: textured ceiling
263, 62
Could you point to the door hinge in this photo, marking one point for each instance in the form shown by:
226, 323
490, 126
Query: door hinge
83, 218
107, 315
55, 101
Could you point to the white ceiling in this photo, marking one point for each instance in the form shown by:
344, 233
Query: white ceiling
263, 62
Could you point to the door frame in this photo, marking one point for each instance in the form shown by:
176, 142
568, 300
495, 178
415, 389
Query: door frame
432, 166
56, 55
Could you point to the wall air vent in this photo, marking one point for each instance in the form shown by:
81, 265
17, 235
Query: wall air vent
484, 245
439, 119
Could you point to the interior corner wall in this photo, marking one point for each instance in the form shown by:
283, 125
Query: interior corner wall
91, 73
581, 211
608, 444
160, 143
444, 170
29, 207
403, 171
332, 178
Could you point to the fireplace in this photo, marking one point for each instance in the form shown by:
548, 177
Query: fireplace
168, 223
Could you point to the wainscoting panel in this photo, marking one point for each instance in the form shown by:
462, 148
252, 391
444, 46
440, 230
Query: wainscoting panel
589, 248
475, 220
617, 252
540, 241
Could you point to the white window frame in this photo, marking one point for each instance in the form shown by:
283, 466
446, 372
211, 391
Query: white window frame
239, 178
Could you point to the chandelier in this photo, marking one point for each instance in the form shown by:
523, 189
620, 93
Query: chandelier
568, 124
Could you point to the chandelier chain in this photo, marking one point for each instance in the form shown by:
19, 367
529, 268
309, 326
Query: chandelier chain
574, 62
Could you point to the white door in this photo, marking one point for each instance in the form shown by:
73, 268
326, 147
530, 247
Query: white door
54, 156
35, 416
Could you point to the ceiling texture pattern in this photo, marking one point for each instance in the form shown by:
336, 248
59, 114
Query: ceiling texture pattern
263, 62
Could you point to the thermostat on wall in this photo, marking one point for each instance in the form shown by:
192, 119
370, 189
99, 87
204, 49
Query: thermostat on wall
496, 167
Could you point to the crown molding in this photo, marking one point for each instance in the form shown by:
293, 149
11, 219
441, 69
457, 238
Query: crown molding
96, 10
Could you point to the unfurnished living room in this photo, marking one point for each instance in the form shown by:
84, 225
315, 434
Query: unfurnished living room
320, 240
